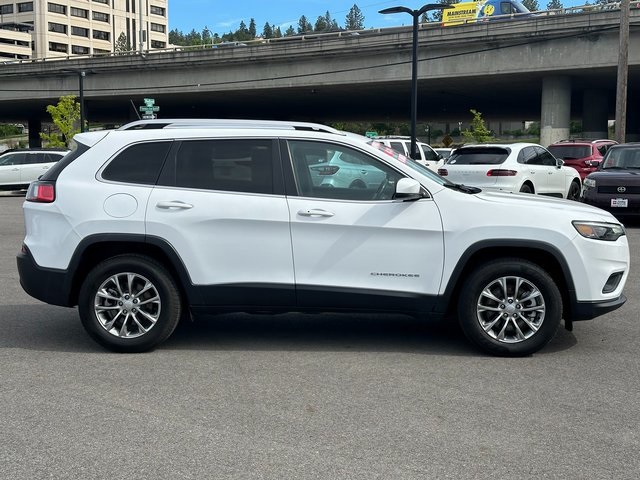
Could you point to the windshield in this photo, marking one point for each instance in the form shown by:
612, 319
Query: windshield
622, 158
570, 152
409, 162
478, 156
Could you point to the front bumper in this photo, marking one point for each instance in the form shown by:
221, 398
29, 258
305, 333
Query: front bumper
589, 310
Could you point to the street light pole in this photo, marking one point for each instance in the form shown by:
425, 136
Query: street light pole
81, 75
416, 14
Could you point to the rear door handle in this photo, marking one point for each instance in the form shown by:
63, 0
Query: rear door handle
174, 205
315, 212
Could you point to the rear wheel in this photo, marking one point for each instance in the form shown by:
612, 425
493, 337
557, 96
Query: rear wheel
526, 188
574, 191
510, 307
129, 303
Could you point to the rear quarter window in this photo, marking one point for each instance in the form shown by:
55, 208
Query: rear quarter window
140, 163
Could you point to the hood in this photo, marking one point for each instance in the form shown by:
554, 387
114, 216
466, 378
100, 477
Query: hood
519, 202
613, 177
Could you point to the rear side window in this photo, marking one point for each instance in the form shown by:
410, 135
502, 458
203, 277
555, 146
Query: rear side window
139, 163
242, 165
479, 156
12, 159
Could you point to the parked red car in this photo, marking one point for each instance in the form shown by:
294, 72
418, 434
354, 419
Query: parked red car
583, 155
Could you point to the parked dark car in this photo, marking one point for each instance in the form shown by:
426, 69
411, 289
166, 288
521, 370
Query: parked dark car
615, 186
583, 155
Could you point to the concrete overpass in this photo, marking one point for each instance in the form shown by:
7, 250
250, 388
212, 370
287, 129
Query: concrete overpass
553, 68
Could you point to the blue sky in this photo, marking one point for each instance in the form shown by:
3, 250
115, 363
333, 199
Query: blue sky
224, 16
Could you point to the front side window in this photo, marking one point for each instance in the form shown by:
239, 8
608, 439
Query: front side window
545, 158
326, 170
241, 165
139, 163
12, 159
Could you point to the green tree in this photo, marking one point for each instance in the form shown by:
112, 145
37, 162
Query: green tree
122, 44
252, 29
267, 31
304, 25
206, 36
354, 19
290, 31
479, 132
65, 116
321, 24
277, 33
531, 5
554, 5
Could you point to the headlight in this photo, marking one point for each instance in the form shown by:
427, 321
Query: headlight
589, 182
609, 232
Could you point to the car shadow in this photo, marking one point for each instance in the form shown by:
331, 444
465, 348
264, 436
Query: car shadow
50, 328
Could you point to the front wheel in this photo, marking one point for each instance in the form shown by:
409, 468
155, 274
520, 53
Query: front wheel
129, 303
510, 307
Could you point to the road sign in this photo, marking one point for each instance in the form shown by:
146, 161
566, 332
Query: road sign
150, 109
149, 102
371, 134
149, 116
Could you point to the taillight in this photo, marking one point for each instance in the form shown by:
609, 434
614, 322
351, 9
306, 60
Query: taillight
443, 172
42, 192
328, 170
499, 172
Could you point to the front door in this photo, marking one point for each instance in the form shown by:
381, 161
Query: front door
355, 246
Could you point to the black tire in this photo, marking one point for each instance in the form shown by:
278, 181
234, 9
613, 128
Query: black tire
136, 316
574, 192
510, 333
526, 188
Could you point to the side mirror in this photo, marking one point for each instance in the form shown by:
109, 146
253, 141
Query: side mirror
559, 162
408, 190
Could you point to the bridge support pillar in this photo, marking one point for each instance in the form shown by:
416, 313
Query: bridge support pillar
632, 133
35, 127
556, 109
595, 114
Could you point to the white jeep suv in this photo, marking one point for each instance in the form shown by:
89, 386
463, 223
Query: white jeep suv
144, 225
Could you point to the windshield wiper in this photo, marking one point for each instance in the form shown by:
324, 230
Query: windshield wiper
462, 188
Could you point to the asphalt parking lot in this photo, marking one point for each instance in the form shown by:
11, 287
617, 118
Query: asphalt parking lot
311, 396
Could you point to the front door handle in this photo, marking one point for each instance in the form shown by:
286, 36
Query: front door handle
315, 212
174, 205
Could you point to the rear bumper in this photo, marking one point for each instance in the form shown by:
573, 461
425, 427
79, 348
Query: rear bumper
589, 310
45, 284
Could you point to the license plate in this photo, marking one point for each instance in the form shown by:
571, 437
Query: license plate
620, 202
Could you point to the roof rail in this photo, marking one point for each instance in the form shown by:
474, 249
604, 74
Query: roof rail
158, 124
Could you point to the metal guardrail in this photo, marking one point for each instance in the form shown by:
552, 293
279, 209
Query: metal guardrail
353, 34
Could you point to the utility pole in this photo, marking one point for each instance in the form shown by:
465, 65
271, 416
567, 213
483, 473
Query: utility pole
623, 64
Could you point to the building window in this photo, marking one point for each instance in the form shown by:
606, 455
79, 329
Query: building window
5, 9
57, 8
157, 10
78, 50
58, 47
100, 51
80, 32
100, 35
156, 27
106, 2
157, 44
79, 12
25, 7
57, 27
101, 17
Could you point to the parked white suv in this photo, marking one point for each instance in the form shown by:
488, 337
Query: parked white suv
142, 225
18, 168
402, 144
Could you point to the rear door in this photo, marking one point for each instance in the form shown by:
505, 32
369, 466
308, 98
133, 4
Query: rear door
220, 204
355, 247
